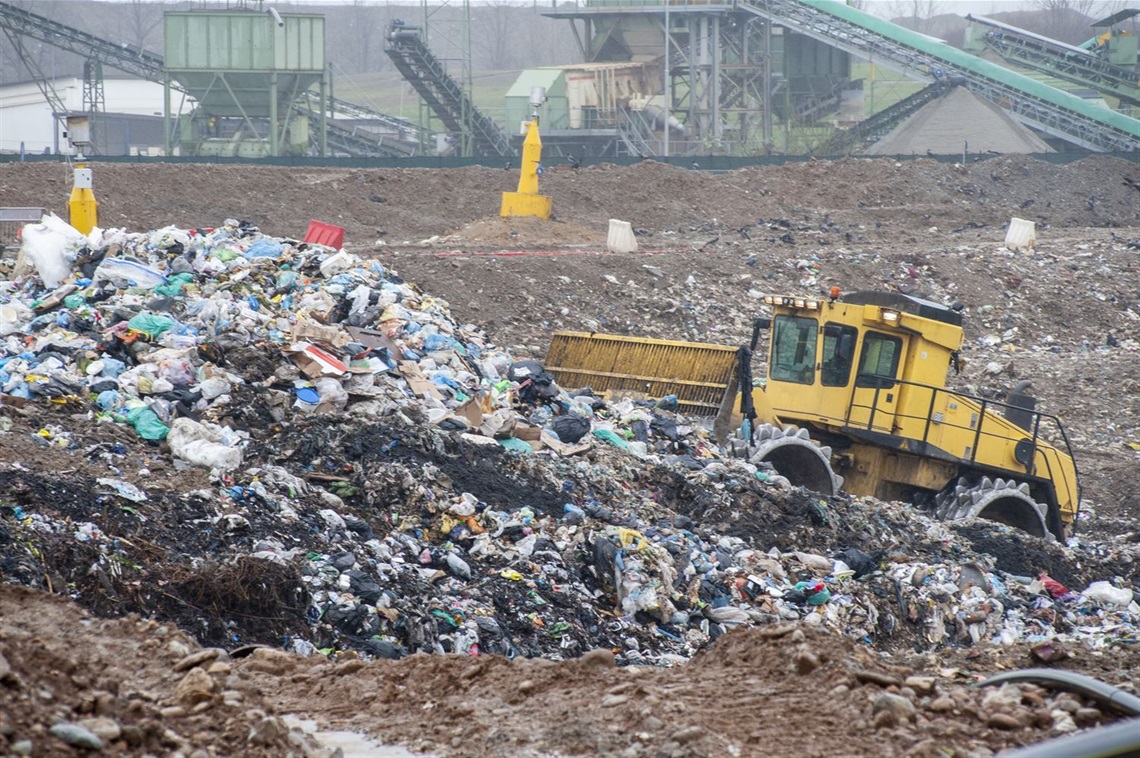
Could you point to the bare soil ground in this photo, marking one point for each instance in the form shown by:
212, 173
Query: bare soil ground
1066, 315
149, 689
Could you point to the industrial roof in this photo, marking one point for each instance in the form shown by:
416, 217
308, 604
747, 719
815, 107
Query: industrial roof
533, 77
1116, 18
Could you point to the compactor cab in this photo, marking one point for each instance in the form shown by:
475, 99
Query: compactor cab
854, 364
855, 398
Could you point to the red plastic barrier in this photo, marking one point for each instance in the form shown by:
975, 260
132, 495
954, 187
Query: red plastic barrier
320, 233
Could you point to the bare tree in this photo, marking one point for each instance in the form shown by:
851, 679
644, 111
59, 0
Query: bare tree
136, 24
495, 34
142, 23
1068, 20
914, 14
366, 27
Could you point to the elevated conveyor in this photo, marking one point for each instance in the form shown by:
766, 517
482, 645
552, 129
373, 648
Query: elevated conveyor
352, 110
403, 137
922, 58
140, 63
1073, 64
18, 22
443, 94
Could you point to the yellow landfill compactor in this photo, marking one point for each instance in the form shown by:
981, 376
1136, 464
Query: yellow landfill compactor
855, 399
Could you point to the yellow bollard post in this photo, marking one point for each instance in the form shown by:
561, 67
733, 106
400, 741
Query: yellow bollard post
83, 209
527, 201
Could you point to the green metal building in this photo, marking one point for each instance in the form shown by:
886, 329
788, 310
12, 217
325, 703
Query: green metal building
246, 70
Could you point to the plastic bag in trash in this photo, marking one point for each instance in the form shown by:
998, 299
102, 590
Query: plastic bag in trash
570, 429
537, 384
125, 272
51, 246
202, 445
523, 370
1108, 596
147, 424
332, 392
150, 324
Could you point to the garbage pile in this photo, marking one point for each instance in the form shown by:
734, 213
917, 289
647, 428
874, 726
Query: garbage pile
387, 480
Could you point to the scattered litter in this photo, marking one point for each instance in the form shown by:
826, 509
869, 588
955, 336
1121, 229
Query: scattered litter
417, 489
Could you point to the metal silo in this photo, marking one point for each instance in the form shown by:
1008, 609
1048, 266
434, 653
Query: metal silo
246, 68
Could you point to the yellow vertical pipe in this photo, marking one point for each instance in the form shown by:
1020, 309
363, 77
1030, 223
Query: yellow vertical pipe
531, 157
83, 210
527, 201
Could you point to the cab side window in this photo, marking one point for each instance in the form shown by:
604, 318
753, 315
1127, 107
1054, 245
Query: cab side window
838, 354
793, 349
879, 363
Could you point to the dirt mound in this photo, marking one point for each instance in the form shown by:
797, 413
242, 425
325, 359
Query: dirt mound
141, 688
407, 205
515, 232
126, 686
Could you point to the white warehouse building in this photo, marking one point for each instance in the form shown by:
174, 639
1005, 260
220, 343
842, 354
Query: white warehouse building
132, 123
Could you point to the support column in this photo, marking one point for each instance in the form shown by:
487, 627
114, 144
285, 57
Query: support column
324, 138
274, 147
714, 81
769, 146
166, 123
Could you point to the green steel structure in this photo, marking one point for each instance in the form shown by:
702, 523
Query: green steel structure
394, 136
245, 69
1072, 64
720, 66
1037, 105
1116, 44
734, 69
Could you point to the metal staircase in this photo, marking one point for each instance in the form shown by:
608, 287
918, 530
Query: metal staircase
446, 98
1037, 105
636, 133
1073, 64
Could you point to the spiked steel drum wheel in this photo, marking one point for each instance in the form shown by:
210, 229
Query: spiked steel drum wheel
1003, 500
795, 457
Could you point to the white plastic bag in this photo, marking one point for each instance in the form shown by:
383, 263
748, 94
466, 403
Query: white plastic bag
125, 271
1105, 595
199, 445
51, 246
334, 397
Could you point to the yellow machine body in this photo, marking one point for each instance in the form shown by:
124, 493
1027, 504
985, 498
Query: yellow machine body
527, 201
868, 379
83, 210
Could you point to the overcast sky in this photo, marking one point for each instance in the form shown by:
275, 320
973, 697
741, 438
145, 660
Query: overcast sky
879, 7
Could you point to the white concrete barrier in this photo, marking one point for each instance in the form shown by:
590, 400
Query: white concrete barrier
621, 238
1021, 235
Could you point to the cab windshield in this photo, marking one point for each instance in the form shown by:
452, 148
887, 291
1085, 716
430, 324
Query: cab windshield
793, 349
